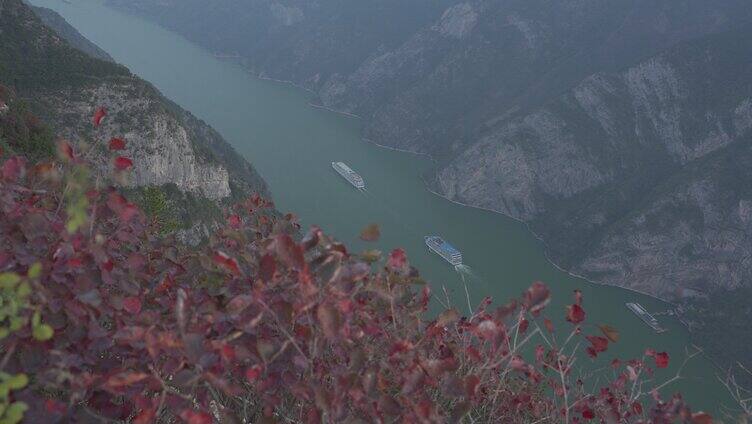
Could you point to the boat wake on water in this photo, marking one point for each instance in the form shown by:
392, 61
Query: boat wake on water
464, 269
463, 275
468, 276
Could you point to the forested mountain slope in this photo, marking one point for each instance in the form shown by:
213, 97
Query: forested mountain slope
58, 24
639, 178
170, 148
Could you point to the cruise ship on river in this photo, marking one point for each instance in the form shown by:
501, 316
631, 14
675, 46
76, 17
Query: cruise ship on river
439, 246
351, 176
645, 316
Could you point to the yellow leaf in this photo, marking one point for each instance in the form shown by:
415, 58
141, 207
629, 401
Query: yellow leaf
610, 332
35, 270
371, 233
450, 316
43, 332
371, 256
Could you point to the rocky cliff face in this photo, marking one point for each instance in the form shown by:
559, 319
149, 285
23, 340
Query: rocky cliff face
161, 146
635, 179
65, 87
600, 124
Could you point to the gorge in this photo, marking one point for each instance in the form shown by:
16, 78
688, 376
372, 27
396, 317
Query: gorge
618, 132
272, 126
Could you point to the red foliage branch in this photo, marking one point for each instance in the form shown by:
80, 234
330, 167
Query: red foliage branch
119, 323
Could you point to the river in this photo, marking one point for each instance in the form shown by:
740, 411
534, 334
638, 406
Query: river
292, 145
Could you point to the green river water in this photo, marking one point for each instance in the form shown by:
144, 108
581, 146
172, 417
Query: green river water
292, 145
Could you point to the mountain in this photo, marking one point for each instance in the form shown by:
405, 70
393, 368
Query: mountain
638, 178
618, 131
191, 166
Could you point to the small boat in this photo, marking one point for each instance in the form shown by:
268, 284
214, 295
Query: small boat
645, 316
442, 248
351, 176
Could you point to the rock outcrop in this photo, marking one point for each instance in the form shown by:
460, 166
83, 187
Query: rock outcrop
635, 179
65, 86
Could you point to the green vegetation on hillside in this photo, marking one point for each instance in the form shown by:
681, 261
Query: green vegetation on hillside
22, 132
172, 209
57, 83
33, 57
56, 22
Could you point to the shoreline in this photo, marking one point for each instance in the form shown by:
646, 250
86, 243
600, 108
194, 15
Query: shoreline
314, 104
545, 249
428, 188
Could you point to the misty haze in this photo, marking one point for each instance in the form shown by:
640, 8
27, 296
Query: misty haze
414, 211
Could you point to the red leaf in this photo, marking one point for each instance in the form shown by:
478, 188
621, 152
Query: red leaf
165, 285
99, 115
575, 314
598, 344
124, 209
117, 144
65, 150
397, 260
637, 408
289, 251
661, 359
524, 324
146, 416
472, 383
253, 373
132, 305
234, 221
539, 353
330, 320
549, 325
195, 417
701, 418
312, 238
227, 352
225, 261
55, 407
14, 169
587, 413
122, 163
128, 212
267, 268
123, 380
537, 297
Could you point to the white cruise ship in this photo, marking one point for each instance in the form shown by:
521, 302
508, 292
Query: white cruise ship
351, 176
444, 249
645, 316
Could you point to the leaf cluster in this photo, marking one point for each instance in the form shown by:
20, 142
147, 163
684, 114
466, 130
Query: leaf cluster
110, 319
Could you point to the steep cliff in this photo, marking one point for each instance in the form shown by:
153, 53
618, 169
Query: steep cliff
638, 178
64, 87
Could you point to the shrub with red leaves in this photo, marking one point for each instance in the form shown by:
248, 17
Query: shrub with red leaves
113, 322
